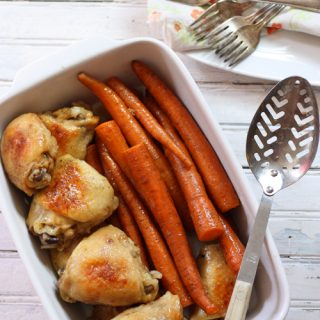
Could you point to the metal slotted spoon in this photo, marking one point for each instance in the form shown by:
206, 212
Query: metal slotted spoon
281, 144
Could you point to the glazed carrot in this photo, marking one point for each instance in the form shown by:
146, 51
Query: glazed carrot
151, 187
232, 247
205, 218
134, 133
150, 124
110, 134
92, 158
216, 180
130, 227
155, 244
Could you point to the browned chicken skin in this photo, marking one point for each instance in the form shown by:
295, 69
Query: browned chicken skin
106, 268
168, 307
28, 150
218, 280
72, 127
77, 199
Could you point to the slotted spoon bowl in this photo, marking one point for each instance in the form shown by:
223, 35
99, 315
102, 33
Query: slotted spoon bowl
281, 144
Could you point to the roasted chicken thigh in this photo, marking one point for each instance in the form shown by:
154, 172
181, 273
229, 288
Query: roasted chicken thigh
73, 128
106, 268
28, 150
168, 307
218, 280
77, 199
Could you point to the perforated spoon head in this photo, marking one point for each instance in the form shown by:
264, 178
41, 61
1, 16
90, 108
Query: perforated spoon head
283, 136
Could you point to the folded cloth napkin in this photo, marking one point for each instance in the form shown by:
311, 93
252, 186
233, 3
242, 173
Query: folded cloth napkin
169, 20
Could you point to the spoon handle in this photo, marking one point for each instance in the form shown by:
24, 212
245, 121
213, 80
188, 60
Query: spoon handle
240, 298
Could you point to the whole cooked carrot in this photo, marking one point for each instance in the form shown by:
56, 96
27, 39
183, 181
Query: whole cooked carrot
129, 226
155, 244
110, 134
134, 133
148, 182
232, 247
92, 158
150, 124
216, 180
205, 218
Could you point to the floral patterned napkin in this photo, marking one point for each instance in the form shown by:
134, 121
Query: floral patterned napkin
169, 20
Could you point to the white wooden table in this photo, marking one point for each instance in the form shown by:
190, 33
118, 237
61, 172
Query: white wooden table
30, 30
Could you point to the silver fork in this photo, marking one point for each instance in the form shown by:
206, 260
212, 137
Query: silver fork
218, 36
239, 44
310, 5
215, 15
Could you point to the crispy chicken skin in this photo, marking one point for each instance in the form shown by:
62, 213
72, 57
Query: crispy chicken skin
77, 199
218, 280
72, 127
168, 307
28, 150
106, 268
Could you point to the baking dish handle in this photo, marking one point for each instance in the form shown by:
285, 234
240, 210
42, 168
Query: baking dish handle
69, 56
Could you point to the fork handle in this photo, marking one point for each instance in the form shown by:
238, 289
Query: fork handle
309, 5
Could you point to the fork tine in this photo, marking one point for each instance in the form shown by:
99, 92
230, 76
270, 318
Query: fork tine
220, 28
236, 53
212, 9
226, 43
230, 49
242, 53
200, 33
216, 41
259, 13
207, 26
199, 23
276, 9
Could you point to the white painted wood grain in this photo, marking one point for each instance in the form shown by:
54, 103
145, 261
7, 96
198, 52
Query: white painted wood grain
297, 236
307, 313
22, 311
6, 242
67, 20
13, 276
304, 278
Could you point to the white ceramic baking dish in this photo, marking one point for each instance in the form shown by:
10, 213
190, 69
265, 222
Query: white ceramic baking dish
51, 83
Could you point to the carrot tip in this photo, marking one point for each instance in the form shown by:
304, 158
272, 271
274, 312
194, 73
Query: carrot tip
81, 75
211, 309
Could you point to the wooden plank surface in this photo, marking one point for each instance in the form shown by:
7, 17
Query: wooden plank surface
30, 30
